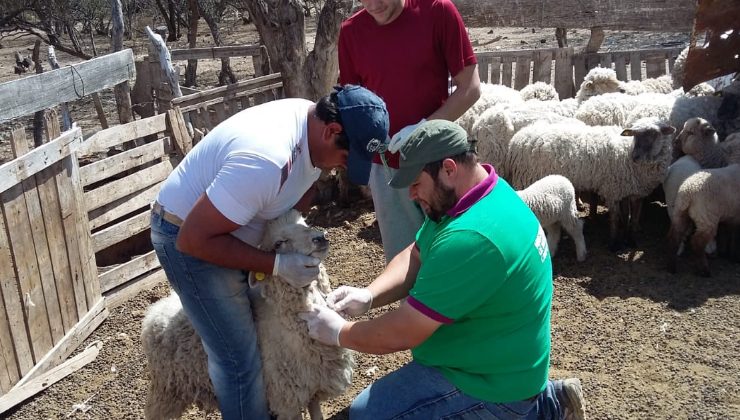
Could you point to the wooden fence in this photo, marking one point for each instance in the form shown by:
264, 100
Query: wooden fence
565, 69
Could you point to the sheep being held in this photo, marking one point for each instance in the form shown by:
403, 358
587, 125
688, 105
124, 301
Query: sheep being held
298, 371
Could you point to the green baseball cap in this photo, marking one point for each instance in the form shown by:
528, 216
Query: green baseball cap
431, 141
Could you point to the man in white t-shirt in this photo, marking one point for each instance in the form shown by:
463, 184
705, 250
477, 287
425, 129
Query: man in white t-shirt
210, 213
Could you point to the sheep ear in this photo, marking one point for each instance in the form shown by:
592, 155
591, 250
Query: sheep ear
628, 132
588, 84
667, 129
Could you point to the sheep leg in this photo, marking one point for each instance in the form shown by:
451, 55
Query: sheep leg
698, 245
574, 227
614, 224
314, 409
676, 236
635, 205
553, 237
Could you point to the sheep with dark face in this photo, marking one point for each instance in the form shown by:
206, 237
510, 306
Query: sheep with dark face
621, 166
299, 372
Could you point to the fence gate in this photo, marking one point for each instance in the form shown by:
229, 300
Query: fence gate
50, 297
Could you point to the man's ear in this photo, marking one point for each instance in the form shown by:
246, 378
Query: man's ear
333, 129
449, 167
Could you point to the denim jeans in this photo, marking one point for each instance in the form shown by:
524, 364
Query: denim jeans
420, 392
398, 216
216, 302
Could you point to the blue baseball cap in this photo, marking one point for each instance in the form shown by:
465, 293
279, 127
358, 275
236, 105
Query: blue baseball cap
365, 123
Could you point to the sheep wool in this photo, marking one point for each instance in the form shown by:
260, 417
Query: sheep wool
299, 372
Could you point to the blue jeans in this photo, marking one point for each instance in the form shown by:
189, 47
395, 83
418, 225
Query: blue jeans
216, 302
420, 392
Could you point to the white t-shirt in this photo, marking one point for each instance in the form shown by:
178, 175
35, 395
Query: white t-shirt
254, 166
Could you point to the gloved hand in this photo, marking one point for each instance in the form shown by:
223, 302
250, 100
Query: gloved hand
324, 324
398, 139
350, 301
297, 269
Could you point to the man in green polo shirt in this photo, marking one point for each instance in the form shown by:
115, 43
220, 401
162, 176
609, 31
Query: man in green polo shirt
478, 289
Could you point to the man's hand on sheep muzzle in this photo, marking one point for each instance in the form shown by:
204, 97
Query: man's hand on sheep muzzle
297, 269
324, 324
350, 301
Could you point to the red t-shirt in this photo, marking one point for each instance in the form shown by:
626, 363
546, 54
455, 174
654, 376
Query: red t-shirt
407, 61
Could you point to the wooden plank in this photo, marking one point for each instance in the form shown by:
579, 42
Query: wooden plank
513, 54
215, 52
483, 63
31, 388
220, 112
605, 60
105, 139
579, 69
620, 66
228, 90
522, 72
121, 231
105, 168
97, 314
67, 209
564, 73
45, 90
99, 110
506, 70
82, 230
46, 180
212, 99
13, 338
647, 15
121, 294
654, 66
205, 117
16, 170
635, 66
542, 67
122, 206
31, 291
40, 243
128, 271
181, 140
495, 71
126, 185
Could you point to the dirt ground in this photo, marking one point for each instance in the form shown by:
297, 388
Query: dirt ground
646, 344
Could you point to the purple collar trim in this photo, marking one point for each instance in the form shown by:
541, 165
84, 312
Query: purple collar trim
476, 193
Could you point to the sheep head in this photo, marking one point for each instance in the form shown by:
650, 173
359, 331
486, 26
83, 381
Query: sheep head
650, 137
290, 233
598, 81
696, 135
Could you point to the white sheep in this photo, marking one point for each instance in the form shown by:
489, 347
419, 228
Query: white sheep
662, 84
623, 110
553, 200
490, 96
299, 372
598, 81
595, 159
540, 91
495, 127
706, 198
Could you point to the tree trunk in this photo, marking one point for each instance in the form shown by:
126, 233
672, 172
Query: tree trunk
281, 26
192, 69
212, 18
38, 116
122, 91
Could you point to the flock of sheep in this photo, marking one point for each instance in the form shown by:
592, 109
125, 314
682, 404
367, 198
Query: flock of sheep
615, 141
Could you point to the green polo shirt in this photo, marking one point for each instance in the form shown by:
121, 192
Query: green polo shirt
486, 274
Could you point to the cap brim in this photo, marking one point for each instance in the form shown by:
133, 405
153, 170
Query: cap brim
358, 167
405, 176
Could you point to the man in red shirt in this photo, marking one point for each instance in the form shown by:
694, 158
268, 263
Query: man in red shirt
404, 51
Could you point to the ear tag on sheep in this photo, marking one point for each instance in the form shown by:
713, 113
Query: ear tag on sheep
255, 277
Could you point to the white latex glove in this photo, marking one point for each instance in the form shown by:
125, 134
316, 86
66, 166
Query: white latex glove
398, 139
350, 301
324, 324
297, 269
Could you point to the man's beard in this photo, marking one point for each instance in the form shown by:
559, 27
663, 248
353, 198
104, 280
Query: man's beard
442, 201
